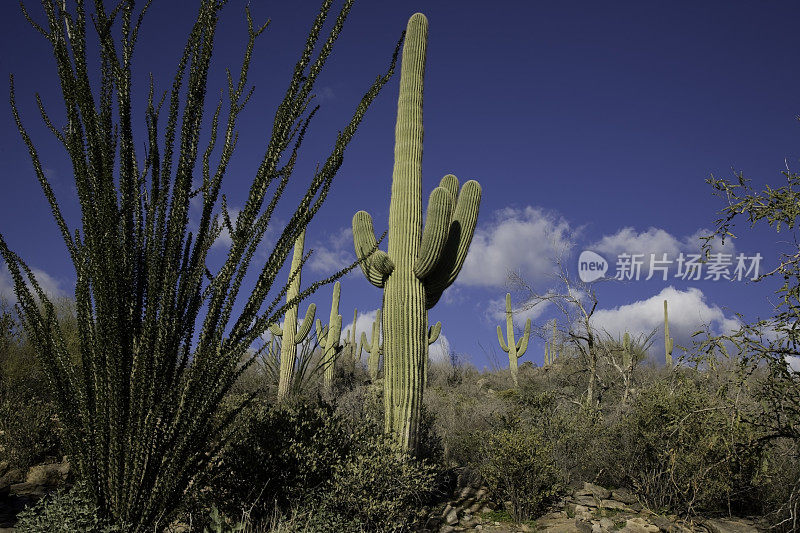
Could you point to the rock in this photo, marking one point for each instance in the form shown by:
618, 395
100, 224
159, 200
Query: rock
451, 517
590, 489
612, 504
50, 474
624, 496
606, 523
730, 525
583, 526
586, 500
639, 525
446, 529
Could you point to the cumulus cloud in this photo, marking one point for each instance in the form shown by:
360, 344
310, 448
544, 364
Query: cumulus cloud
334, 252
439, 351
688, 312
51, 286
524, 240
654, 244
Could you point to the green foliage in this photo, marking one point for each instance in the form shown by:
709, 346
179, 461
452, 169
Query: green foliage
669, 342
683, 448
421, 263
159, 342
66, 511
29, 432
381, 489
518, 467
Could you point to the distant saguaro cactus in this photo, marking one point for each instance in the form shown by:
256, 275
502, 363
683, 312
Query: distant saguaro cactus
669, 342
290, 335
351, 348
374, 347
328, 337
420, 264
514, 349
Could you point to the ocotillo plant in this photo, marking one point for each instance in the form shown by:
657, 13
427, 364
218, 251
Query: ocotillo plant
420, 264
328, 337
514, 349
290, 335
546, 353
669, 342
374, 347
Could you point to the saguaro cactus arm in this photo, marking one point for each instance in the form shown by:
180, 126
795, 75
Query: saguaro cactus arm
434, 236
275, 329
460, 233
522, 343
305, 326
502, 339
378, 266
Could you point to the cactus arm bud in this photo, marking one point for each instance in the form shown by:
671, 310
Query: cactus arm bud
433, 332
275, 329
434, 236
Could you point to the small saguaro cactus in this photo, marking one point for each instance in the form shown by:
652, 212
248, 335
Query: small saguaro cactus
351, 348
374, 347
669, 342
546, 353
433, 334
290, 335
515, 349
328, 337
421, 263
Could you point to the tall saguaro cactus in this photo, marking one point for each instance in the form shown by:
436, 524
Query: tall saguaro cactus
328, 337
290, 335
514, 349
420, 264
669, 342
374, 347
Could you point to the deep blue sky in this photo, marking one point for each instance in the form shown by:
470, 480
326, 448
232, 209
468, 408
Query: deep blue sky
597, 123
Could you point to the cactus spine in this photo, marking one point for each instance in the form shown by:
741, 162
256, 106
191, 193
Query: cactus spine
514, 349
290, 335
374, 348
669, 342
328, 337
420, 264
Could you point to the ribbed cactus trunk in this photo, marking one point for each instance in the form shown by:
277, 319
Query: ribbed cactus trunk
328, 338
405, 318
374, 348
290, 336
420, 264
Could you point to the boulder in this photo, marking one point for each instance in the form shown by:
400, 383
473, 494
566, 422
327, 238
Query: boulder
49, 474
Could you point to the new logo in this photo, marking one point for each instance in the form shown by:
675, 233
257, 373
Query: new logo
591, 266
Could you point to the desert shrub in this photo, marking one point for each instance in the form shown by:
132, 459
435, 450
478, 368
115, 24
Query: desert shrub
381, 489
66, 511
279, 455
28, 431
518, 467
683, 448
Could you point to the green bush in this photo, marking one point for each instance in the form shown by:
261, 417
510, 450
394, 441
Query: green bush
684, 449
518, 467
28, 432
380, 489
66, 511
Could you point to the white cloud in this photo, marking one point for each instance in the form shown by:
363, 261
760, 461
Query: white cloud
224, 239
688, 313
524, 240
653, 244
439, 351
336, 253
50, 285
